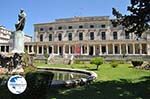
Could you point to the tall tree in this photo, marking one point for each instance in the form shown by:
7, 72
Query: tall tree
138, 20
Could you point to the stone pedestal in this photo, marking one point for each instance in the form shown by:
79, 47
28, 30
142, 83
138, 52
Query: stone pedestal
18, 42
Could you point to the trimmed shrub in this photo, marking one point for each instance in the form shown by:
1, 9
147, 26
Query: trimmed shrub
121, 62
30, 69
137, 63
97, 61
78, 62
114, 63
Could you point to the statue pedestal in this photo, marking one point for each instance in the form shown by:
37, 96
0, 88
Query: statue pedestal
18, 42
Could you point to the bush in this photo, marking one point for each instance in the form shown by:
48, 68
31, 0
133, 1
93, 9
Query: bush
121, 62
29, 69
78, 62
97, 61
137, 63
114, 63
26, 59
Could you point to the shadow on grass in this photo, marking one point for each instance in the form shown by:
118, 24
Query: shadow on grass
92, 69
123, 89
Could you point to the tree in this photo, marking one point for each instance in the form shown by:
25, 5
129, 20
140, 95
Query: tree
97, 61
138, 20
26, 58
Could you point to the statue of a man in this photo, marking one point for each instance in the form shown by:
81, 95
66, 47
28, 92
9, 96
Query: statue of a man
21, 20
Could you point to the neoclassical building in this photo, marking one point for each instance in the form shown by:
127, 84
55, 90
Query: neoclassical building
5, 35
87, 36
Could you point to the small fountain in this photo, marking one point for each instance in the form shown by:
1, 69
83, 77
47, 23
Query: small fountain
64, 77
67, 77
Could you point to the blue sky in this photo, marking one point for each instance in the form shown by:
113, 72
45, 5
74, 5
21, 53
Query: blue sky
40, 11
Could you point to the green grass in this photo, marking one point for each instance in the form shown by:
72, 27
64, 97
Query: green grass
122, 82
106, 72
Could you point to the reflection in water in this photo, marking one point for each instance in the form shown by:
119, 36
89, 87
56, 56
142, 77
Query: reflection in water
63, 76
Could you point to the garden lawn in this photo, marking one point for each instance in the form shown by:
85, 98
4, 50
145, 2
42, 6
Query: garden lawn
122, 82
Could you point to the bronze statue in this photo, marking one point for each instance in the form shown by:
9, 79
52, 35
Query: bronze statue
21, 20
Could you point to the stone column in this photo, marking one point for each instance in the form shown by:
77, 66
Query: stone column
126, 48
93, 49
52, 49
113, 47
63, 49
140, 48
87, 49
43, 50
106, 49
69, 49
32, 48
133, 48
81, 50
148, 49
58, 49
120, 49
5, 48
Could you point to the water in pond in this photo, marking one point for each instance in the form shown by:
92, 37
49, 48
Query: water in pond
63, 76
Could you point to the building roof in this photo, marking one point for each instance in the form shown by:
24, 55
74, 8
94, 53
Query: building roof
77, 19
28, 35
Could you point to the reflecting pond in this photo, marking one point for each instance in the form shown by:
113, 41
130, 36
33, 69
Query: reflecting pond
59, 75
